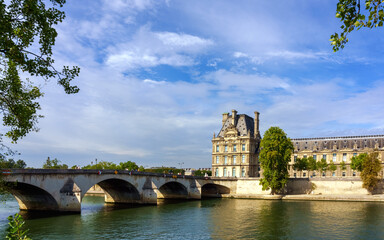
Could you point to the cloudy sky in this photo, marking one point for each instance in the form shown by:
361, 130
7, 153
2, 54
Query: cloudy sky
156, 77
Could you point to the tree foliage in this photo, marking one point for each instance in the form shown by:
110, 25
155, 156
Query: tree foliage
312, 165
370, 173
301, 164
129, 165
322, 165
275, 154
54, 164
355, 17
15, 228
27, 35
357, 161
202, 173
332, 167
10, 163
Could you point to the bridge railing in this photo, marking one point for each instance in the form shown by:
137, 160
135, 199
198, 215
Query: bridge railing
93, 171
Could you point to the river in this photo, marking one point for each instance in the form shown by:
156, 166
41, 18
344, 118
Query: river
210, 219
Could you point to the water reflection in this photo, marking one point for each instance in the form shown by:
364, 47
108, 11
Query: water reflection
211, 219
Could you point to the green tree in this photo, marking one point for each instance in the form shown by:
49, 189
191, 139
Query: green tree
15, 229
128, 166
202, 173
54, 164
322, 165
342, 165
10, 163
357, 162
355, 17
26, 25
370, 173
332, 167
301, 164
312, 165
275, 154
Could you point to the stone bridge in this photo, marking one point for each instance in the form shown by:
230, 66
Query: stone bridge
63, 190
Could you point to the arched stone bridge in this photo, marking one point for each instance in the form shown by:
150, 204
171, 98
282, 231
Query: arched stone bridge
63, 190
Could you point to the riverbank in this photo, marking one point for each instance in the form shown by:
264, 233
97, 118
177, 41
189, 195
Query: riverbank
314, 197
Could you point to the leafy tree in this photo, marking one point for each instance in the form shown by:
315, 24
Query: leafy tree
102, 165
301, 164
128, 166
332, 167
54, 164
370, 173
10, 163
141, 169
15, 229
168, 170
312, 166
275, 154
354, 17
202, 173
26, 25
342, 165
357, 162
322, 165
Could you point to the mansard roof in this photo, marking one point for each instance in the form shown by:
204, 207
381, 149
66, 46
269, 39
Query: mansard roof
244, 124
336, 143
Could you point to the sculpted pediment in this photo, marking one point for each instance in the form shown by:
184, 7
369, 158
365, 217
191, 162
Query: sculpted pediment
231, 131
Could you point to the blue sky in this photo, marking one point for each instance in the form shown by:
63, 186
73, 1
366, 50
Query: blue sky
156, 77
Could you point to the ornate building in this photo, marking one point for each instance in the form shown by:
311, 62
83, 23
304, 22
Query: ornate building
336, 150
235, 148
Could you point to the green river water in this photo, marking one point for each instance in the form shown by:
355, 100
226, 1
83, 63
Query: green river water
210, 219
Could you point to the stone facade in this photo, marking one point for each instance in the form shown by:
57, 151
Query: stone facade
235, 148
335, 150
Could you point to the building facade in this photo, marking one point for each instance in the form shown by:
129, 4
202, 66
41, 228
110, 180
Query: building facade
336, 150
235, 148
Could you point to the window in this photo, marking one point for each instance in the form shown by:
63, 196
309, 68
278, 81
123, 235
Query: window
334, 157
243, 147
225, 172
234, 148
217, 148
258, 168
333, 174
344, 157
343, 174
304, 174
314, 174
354, 154
217, 172
217, 159
315, 157
234, 159
295, 158
354, 174
233, 172
305, 156
294, 174
225, 148
243, 158
225, 159
323, 174
243, 172
325, 156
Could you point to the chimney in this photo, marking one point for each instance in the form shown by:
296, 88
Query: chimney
234, 117
256, 124
225, 117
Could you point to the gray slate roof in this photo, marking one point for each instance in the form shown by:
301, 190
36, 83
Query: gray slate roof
351, 142
244, 123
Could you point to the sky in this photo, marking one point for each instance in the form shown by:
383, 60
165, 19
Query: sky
157, 75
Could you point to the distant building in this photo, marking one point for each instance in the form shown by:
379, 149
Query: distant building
334, 150
235, 148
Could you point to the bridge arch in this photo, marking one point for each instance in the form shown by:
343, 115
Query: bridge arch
173, 190
119, 191
214, 190
31, 197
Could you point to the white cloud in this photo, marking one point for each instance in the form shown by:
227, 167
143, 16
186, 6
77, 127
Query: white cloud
150, 49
